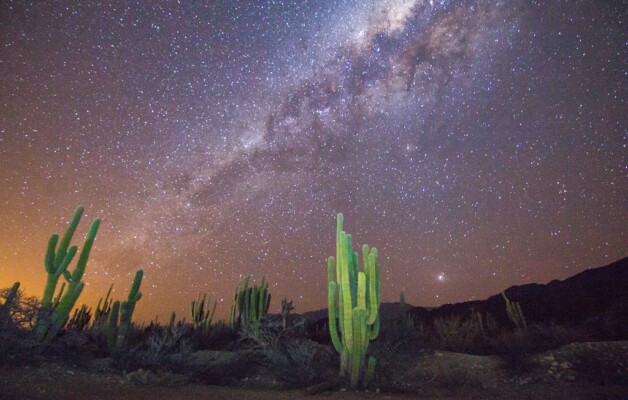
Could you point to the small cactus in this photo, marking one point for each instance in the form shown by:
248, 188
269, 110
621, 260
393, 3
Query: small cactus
201, 317
118, 328
513, 309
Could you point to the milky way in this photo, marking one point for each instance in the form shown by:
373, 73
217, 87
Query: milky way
477, 144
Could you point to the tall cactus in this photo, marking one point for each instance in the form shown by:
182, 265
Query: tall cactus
355, 309
201, 318
250, 305
118, 329
54, 314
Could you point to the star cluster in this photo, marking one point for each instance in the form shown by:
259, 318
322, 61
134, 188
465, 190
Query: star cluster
477, 144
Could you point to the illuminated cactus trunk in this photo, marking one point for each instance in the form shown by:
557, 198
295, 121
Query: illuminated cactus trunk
355, 308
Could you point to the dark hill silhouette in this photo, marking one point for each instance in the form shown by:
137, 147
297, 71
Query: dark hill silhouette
595, 299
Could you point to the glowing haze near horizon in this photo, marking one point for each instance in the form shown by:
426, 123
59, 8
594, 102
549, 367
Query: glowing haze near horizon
477, 144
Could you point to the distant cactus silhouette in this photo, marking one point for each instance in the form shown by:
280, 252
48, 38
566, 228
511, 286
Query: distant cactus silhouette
513, 309
202, 317
118, 328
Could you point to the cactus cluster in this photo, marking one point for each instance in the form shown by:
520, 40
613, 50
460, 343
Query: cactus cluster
55, 312
201, 317
250, 305
353, 303
513, 309
121, 314
103, 309
80, 319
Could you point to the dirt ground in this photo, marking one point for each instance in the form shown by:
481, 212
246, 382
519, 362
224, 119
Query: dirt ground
57, 383
437, 375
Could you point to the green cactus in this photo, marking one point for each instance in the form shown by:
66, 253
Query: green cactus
513, 309
355, 309
55, 313
201, 318
250, 305
173, 319
112, 326
118, 329
80, 319
103, 308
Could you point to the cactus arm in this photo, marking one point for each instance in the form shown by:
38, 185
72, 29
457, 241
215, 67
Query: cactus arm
67, 237
112, 327
332, 311
49, 261
346, 325
211, 316
82, 262
374, 300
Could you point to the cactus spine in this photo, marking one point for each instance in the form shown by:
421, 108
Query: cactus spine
355, 309
513, 309
55, 313
200, 318
118, 329
250, 305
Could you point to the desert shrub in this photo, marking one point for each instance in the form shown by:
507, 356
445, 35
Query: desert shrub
297, 362
601, 367
609, 325
218, 336
462, 335
23, 310
152, 347
16, 342
165, 341
294, 360
386, 351
546, 336
515, 349
72, 346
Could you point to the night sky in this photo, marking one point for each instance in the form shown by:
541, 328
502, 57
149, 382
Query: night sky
478, 144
